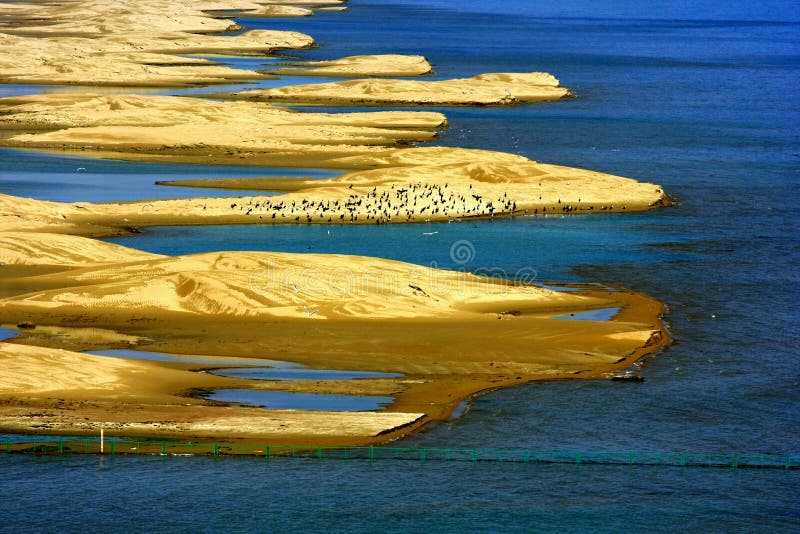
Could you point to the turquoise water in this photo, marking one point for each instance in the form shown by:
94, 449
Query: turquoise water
699, 97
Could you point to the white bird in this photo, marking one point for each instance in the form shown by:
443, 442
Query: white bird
430, 233
294, 286
309, 312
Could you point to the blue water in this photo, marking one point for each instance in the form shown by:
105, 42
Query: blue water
290, 400
265, 370
185, 358
699, 97
300, 373
7, 333
605, 314
66, 178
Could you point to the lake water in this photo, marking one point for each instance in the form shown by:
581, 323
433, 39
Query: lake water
699, 97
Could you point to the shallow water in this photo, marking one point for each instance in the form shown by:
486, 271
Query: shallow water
7, 333
266, 370
299, 373
606, 314
186, 358
67, 178
701, 98
290, 400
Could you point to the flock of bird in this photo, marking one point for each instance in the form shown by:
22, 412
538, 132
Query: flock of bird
413, 202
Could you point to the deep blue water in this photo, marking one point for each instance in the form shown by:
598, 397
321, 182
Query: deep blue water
699, 97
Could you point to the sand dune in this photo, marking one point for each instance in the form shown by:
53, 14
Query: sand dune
126, 43
383, 196
450, 333
310, 286
31, 248
500, 89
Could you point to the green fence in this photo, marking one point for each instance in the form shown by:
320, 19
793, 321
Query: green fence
60, 446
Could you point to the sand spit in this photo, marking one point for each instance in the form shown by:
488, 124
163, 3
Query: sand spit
59, 111
60, 391
450, 334
127, 43
502, 89
382, 196
326, 311
358, 66
137, 126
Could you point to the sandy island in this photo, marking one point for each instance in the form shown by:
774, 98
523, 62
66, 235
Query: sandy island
495, 89
357, 66
449, 334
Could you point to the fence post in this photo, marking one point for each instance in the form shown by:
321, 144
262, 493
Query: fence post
113, 447
735, 461
371, 453
163, 449
216, 449
578, 458
267, 452
319, 452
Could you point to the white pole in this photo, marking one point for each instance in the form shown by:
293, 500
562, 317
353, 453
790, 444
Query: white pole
101, 440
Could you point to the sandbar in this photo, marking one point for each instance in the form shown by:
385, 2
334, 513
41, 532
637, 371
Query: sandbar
449, 334
358, 66
324, 311
493, 89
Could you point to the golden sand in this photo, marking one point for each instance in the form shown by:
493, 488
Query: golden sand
325, 311
383, 196
500, 89
126, 43
450, 334
358, 66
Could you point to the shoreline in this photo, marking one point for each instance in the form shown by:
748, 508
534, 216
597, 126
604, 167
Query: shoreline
480, 333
